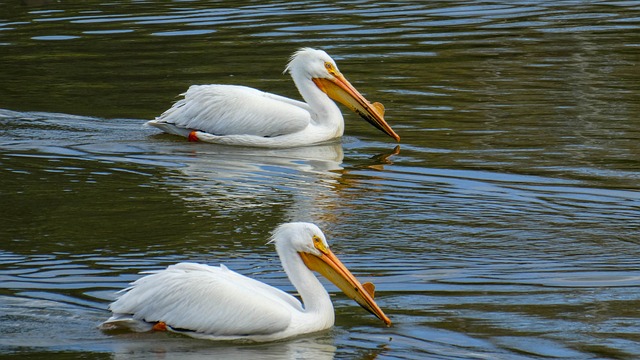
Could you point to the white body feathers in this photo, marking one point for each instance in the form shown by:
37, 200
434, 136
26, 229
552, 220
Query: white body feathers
239, 115
216, 303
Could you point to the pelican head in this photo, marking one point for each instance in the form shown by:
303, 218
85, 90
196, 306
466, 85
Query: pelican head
311, 245
317, 66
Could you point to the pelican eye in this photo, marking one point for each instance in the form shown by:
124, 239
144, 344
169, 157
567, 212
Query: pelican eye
318, 244
329, 67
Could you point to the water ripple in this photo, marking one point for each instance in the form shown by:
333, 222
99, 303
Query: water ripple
510, 208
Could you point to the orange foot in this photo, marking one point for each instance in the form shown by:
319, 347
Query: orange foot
193, 137
160, 326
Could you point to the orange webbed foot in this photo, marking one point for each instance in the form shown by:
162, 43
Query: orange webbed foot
193, 136
160, 326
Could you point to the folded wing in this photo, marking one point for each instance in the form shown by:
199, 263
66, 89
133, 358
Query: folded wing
207, 300
235, 110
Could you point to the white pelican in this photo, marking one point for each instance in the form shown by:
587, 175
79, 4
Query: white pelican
219, 304
239, 115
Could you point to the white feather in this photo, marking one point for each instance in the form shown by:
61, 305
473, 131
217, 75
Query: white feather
236, 110
238, 115
217, 303
192, 295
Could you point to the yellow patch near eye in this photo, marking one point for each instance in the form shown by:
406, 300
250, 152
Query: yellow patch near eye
317, 242
330, 68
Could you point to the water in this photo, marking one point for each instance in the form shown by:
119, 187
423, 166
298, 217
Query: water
504, 226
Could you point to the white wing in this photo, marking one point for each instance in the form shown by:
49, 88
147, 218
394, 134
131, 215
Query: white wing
236, 110
209, 300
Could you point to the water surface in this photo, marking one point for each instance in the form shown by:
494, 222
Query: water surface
504, 226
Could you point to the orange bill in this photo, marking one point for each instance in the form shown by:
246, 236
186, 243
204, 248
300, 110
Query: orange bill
339, 89
332, 268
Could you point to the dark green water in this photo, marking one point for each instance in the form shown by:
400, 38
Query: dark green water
505, 226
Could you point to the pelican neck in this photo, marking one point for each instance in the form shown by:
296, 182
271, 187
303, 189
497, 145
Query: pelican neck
323, 110
315, 298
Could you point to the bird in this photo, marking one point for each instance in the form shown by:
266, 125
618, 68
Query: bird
216, 303
240, 115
